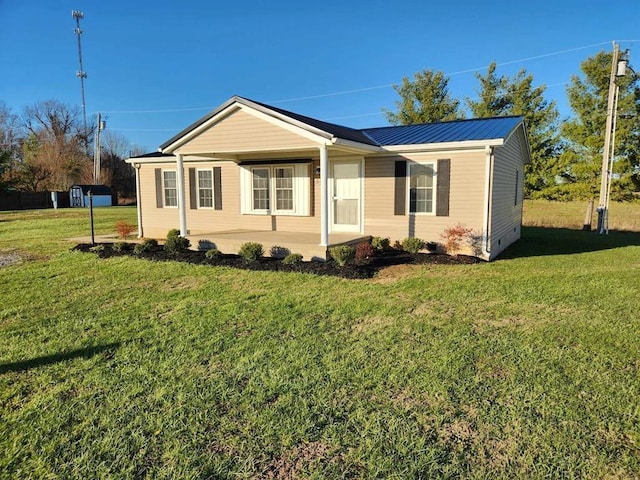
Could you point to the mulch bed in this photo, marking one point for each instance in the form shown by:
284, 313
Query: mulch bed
361, 270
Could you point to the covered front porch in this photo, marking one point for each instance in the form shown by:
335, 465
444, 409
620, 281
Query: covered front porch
306, 244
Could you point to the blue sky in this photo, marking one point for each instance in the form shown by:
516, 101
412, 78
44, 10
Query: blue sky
155, 67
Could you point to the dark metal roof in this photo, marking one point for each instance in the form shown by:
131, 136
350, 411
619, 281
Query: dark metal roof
155, 155
346, 133
454, 131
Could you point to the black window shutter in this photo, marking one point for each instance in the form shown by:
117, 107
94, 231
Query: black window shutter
193, 192
400, 194
217, 188
159, 188
443, 180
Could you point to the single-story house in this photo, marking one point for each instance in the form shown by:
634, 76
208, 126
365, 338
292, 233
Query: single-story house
248, 171
101, 195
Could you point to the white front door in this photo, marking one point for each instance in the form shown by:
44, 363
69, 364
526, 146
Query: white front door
346, 197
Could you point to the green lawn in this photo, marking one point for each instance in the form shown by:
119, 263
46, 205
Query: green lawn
526, 367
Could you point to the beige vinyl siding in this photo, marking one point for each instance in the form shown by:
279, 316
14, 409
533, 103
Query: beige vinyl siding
240, 131
466, 198
155, 219
158, 221
506, 217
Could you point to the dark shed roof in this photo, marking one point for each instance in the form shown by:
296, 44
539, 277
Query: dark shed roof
95, 189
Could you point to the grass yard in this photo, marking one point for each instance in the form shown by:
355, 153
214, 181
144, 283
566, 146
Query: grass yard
543, 213
526, 367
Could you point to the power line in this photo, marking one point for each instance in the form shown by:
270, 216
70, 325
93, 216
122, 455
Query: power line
342, 117
376, 87
447, 74
168, 110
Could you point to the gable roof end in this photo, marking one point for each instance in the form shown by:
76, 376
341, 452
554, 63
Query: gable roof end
496, 129
324, 129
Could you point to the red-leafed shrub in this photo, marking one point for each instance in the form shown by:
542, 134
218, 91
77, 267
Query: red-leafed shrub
124, 229
454, 237
364, 251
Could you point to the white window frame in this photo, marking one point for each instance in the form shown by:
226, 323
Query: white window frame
274, 180
301, 181
433, 166
263, 211
165, 188
199, 189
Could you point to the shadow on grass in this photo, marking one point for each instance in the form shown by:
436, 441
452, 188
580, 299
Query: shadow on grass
540, 241
57, 357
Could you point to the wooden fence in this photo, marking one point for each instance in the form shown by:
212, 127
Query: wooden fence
31, 200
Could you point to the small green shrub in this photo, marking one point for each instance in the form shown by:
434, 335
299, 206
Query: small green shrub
205, 245
251, 251
99, 249
147, 245
292, 259
364, 251
381, 244
342, 254
279, 252
174, 232
177, 244
412, 244
121, 247
213, 254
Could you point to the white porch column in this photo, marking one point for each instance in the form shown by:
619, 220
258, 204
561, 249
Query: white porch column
324, 196
182, 210
138, 200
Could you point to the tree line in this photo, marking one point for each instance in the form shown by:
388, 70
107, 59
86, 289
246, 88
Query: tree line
48, 148
566, 153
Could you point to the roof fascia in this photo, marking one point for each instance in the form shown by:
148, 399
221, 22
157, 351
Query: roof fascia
283, 118
357, 146
195, 124
429, 147
135, 161
294, 126
525, 138
278, 119
238, 103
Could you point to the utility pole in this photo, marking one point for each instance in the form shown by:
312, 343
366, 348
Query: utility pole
101, 125
81, 73
606, 152
618, 69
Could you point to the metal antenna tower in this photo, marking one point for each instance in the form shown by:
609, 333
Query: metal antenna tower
81, 73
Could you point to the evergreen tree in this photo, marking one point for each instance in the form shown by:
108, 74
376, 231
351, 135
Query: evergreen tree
426, 99
501, 95
585, 133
